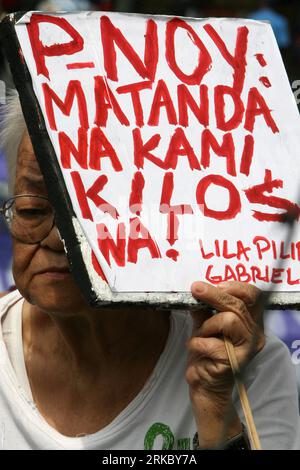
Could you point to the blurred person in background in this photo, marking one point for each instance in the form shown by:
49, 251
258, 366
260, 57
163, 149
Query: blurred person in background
64, 5
279, 23
286, 325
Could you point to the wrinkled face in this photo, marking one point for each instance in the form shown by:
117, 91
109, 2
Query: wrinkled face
41, 271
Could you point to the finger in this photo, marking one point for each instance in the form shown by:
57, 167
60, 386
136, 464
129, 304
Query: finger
218, 299
198, 374
212, 348
248, 293
227, 324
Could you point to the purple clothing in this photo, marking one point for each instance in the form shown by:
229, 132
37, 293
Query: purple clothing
5, 239
3, 170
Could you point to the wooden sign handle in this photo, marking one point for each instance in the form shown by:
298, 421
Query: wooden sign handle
253, 435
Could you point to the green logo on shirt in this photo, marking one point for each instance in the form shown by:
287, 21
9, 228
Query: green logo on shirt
162, 431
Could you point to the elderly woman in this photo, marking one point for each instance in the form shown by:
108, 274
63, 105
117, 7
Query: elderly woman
78, 378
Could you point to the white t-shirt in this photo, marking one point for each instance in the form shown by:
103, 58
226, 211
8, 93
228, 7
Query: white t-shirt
160, 416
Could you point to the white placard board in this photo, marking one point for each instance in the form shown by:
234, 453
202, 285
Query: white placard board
178, 141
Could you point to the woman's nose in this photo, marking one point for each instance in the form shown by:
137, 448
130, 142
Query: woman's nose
53, 240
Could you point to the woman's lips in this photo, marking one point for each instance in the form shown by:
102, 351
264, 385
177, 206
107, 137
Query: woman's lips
55, 273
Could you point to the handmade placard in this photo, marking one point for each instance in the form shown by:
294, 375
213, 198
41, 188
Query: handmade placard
170, 147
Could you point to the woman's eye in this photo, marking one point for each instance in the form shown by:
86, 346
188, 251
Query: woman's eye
31, 212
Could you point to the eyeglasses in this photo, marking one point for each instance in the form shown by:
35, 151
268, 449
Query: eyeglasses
30, 218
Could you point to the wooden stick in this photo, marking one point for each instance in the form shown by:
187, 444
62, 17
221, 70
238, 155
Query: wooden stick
255, 442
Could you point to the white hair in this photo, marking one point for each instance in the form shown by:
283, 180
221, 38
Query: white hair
13, 127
